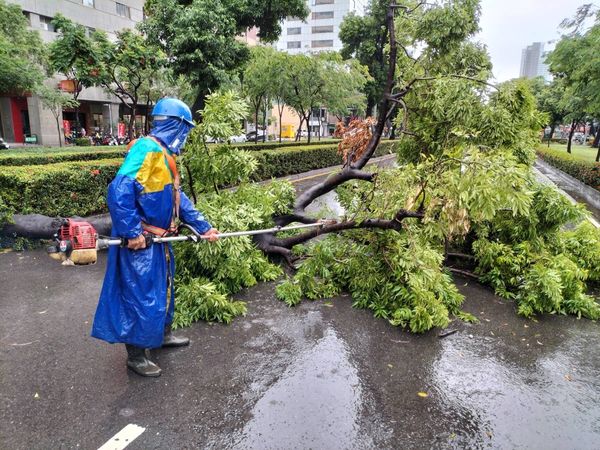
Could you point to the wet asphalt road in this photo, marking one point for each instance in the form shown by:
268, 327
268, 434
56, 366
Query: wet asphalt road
320, 376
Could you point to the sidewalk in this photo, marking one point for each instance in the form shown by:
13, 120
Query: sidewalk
573, 189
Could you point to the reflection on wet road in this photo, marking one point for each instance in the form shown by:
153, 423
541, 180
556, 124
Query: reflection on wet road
314, 404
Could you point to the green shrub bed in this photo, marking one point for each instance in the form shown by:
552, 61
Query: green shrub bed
586, 172
61, 189
79, 188
40, 158
250, 145
50, 155
290, 161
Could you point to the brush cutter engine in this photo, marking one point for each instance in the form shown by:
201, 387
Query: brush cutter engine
74, 243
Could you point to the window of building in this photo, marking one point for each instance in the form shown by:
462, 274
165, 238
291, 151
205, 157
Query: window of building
27, 15
89, 31
323, 29
323, 43
46, 23
322, 15
89, 3
123, 10
294, 44
295, 30
324, 2
97, 120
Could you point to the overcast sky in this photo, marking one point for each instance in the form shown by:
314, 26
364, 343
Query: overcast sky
508, 26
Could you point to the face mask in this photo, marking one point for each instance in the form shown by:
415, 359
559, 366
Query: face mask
172, 132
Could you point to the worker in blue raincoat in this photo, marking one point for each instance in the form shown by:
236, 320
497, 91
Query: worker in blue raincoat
136, 304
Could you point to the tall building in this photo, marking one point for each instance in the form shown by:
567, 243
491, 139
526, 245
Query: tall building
532, 62
22, 117
320, 30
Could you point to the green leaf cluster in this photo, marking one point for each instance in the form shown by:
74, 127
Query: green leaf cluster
398, 277
531, 259
22, 52
208, 274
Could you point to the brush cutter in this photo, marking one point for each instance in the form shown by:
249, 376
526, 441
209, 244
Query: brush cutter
77, 243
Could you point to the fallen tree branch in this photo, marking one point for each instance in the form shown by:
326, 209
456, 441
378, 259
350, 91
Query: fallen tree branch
464, 273
383, 224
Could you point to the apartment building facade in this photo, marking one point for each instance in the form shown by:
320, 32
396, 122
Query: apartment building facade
25, 117
318, 32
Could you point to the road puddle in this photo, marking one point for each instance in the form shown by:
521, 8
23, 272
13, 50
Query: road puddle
316, 403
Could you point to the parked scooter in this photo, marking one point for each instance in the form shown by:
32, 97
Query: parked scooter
3, 145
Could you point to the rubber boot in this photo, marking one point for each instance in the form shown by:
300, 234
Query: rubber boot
170, 340
139, 362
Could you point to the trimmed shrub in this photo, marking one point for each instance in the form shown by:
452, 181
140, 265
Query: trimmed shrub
290, 161
586, 172
82, 142
251, 146
63, 189
65, 156
79, 188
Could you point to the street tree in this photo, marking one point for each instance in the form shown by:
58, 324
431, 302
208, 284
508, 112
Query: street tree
56, 100
22, 52
258, 79
74, 55
200, 37
576, 62
305, 81
344, 84
126, 66
365, 38
549, 97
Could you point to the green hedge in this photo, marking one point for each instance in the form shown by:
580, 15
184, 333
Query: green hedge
50, 155
290, 161
586, 172
250, 145
64, 156
62, 189
79, 188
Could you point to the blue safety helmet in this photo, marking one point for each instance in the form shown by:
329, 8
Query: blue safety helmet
172, 122
171, 107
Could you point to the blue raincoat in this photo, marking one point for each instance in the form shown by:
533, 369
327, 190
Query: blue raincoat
137, 299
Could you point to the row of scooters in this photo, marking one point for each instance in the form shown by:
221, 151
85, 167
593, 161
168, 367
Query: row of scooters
100, 139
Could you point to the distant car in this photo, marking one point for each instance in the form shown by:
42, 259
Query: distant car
212, 140
251, 137
579, 138
3, 145
239, 138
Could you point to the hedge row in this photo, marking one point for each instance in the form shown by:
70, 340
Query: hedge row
290, 161
62, 189
250, 145
584, 171
58, 157
79, 188
41, 156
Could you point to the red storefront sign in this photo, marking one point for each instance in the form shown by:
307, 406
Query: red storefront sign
67, 127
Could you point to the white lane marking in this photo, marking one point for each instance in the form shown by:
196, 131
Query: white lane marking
123, 438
